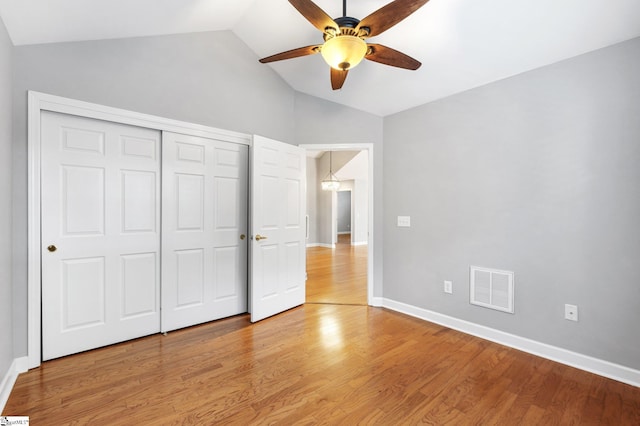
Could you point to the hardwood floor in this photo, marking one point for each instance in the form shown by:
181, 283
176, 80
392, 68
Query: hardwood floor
317, 364
343, 363
337, 275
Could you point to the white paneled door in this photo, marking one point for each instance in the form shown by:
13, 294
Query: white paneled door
100, 233
204, 230
278, 196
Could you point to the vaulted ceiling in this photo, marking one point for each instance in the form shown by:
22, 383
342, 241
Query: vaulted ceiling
461, 43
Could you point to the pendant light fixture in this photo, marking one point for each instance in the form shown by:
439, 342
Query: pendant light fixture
330, 182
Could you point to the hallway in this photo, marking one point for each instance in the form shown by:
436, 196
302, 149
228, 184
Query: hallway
337, 276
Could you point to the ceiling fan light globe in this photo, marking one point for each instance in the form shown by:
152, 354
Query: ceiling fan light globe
344, 52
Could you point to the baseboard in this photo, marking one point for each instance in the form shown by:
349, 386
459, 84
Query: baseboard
359, 243
19, 365
331, 246
563, 356
377, 302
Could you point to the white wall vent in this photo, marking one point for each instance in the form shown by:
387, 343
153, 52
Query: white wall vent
491, 288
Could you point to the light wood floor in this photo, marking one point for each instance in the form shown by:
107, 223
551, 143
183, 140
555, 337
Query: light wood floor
337, 364
337, 275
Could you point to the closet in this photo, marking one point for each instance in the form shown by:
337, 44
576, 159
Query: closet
144, 229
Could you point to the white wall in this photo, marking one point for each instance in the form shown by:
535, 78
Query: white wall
356, 168
360, 197
6, 299
538, 174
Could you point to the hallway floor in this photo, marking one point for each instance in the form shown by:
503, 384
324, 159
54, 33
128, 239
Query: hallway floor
339, 275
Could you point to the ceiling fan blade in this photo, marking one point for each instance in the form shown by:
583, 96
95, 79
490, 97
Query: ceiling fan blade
294, 53
314, 14
389, 15
388, 56
337, 78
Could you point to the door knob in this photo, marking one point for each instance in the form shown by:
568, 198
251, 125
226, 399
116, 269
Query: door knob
52, 248
242, 236
260, 237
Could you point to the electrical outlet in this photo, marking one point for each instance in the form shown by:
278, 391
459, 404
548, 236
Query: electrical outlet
571, 312
448, 287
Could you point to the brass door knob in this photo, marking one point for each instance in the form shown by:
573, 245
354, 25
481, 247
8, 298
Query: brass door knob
260, 237
52, 248
242, 236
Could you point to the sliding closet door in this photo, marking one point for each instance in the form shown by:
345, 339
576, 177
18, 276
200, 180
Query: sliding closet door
204, 230
100, 233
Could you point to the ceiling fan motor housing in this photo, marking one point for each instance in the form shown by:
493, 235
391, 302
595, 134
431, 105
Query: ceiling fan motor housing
346, 26
347, 21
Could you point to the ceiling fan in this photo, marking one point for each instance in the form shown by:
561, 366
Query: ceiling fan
344, 38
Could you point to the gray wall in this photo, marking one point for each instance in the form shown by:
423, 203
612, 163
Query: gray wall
344, 211
323, 122
538, 174
6, 321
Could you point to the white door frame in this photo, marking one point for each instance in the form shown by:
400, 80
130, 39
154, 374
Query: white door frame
358, 147
38, 102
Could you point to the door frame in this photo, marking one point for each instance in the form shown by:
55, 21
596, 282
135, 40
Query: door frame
38, 102
368, 147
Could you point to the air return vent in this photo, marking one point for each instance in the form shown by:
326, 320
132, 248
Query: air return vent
491, 288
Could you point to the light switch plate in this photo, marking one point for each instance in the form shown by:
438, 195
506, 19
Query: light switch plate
404, 221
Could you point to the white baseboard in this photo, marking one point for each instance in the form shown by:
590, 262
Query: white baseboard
377, 302
331, 246
563, 356
19, 365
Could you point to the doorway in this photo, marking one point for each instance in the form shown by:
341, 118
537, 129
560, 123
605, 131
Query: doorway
345, 217
339, 254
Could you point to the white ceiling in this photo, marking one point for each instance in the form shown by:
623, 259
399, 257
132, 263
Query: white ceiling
461, 43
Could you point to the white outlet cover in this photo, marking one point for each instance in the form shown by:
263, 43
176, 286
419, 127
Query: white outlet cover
448, 287
571, 312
